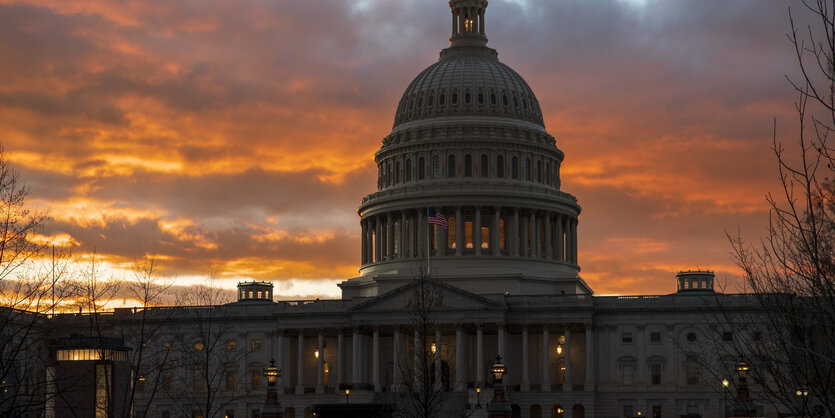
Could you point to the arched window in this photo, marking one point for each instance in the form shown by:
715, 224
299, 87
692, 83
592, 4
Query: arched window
515, 102
493, 98
500, 166
397, 172
429, 101
514, 167
538, 171
409, 169
421, 168
528, 169
441, 99
468, 165
454, 98
450, 169
536, 411
480, 98
504, 99
467, 98
484, 165
436, 166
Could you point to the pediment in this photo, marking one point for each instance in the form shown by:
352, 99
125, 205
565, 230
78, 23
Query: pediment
437, 296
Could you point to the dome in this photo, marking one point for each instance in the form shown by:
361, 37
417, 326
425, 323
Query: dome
468, 81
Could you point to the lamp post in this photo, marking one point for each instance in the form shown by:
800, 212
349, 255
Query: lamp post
725, 383
347, 393
272, 408
804, 393
478, 397
742, 394
499, 406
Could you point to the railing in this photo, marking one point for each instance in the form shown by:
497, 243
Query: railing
548, 300
677, 301
440, 186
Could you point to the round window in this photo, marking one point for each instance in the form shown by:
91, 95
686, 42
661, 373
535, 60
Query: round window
691, 337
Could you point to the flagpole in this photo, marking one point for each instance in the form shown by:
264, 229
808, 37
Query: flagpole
428, 246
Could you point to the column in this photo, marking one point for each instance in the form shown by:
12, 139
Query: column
460, 370
477, 230
340, 358
389, 237
590, 357
514, 229
421, 232
440, 239
479, 355
496, 233
396, 360
574, 241
549, 253
560, 254
369, 238
404, 241
280, 357
438, 378
300, 364
355, 357
546, 360
525, 366
566, 385
378, 239
525, 230
459, 231
642, 366
375, 360
320, 364
537, 238
364, 257
501, 340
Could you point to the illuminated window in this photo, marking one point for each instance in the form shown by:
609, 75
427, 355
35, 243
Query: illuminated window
451, 233
198, 345
255, 345
500, 166
468, 234
256, 379
230, 380
231, 345
485, 237
502, 234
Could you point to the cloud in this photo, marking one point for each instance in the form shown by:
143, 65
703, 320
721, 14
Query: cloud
240, 137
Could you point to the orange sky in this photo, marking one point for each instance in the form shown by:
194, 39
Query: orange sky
237, 137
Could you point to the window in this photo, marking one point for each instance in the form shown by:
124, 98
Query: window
256, 380
397, 172
454, 98
388, 177
450, 170
230, 413
691, 371
500, 167
468, 165
230, 380
166, 346
231, 345
196, 380
538, 171
628, 371
256, 413
655, 373
441, 99
481, 98
504, 99
627, 410
626, 338
727, 337
196, 414
436, 166
492, 98
255, 345
140, 384
467, 98
165, 414
691, 337
514, 167
655, 338
430, 100
515, 102
409, 169
656, 411
422, 168
198, 345
166, 381
484, 165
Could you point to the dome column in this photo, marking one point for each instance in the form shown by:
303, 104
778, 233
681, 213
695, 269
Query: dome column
559, 240
364, 240
548, 253
574, 241
477, 231
378, 238
421, 233
459, 232
389, 236
403, 241
495, 234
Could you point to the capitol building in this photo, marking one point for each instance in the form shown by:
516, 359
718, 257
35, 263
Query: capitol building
469, 252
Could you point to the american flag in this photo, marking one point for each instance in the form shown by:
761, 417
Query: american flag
437, 219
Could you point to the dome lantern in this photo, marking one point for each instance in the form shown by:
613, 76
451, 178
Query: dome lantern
468, 22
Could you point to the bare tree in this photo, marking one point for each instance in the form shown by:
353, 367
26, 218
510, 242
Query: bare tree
422, 366
789, 342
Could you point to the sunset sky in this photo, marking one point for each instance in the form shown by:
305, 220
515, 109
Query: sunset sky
237, 137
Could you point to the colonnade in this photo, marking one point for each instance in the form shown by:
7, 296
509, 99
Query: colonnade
472, 230
466, 351
467, 20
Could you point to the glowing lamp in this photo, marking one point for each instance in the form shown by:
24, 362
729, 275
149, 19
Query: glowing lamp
316, 352
742, 367
725, 382
559, 349
498, 370
272, 373
434, 348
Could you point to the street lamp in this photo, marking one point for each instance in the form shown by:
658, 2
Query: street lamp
742, 395
725, 384
272, 408
499, 406
316, 352
347, 393
478, 397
